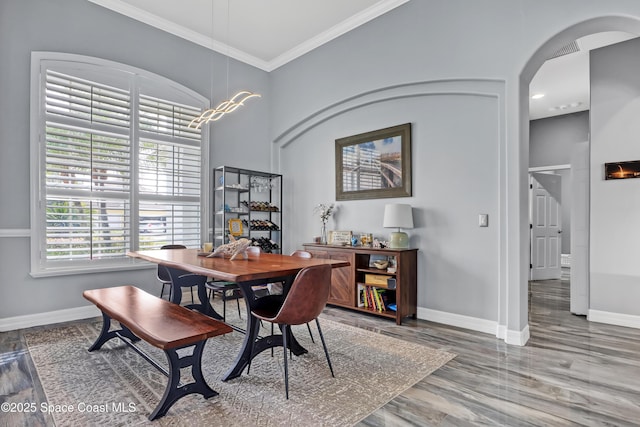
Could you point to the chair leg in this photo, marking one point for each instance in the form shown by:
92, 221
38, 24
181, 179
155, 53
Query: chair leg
285, 329
224, 306
238, 304
192, 300
162, 290
310, 334
325, 347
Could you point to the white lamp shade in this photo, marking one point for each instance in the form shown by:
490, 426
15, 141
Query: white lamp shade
398, 216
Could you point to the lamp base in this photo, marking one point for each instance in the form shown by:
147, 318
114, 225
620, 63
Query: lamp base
398, 240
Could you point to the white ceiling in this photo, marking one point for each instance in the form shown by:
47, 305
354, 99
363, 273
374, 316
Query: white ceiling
268, 34
564, 80
265, 34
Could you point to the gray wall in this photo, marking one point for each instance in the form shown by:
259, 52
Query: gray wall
80, 27
459, 70
431, 63
552, 141
615, 207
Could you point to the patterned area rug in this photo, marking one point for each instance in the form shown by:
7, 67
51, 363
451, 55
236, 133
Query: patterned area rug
115, 386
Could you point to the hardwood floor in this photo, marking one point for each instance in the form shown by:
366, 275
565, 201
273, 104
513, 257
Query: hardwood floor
571, 372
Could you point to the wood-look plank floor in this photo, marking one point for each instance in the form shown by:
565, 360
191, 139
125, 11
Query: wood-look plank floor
571, 372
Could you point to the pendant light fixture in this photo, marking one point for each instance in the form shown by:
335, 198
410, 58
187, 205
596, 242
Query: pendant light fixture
231, 104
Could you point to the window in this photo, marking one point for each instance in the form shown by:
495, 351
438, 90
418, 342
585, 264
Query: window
116, 167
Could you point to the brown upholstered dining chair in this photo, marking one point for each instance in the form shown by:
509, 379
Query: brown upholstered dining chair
306, 255
303, 303
278, 289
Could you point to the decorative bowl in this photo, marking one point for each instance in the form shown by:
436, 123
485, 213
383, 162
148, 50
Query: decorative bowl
381, 265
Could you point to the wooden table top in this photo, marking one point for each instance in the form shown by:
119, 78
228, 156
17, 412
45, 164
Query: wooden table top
255, 267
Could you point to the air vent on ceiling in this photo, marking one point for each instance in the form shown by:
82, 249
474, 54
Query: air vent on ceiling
565, 50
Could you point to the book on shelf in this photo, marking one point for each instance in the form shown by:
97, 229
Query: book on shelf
370, 304
371, 297
379, 294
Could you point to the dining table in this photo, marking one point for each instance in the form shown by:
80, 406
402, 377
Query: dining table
191, 267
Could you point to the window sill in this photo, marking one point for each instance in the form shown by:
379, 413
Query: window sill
85, 269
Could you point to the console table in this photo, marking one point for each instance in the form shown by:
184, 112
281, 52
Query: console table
362, 287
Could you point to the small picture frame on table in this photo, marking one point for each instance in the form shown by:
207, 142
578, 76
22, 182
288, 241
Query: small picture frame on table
340, 238
235, 227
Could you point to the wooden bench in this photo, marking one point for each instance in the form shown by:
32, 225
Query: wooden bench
162, 324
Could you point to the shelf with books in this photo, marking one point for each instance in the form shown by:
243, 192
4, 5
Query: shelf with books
375, 297
393, 284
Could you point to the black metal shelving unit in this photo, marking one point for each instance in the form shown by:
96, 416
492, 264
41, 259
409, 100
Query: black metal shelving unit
252, 197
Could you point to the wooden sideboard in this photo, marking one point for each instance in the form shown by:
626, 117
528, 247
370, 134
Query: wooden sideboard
351, 285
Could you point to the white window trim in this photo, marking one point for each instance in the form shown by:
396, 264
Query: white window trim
38, 232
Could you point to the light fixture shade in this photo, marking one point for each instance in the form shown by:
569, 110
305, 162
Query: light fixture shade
398, 216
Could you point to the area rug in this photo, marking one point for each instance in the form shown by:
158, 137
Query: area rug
114, 386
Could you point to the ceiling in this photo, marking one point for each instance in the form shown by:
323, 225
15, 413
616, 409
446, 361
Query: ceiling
564, 80
265, 34
268, 34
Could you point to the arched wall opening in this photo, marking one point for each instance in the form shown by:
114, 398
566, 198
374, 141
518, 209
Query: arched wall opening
592, 26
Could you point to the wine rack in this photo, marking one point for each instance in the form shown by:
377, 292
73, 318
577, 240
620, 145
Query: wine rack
252, 197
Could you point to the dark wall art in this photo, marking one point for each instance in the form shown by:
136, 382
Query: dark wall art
622, 170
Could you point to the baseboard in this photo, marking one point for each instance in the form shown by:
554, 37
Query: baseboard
39, 319
458, 320
618, 319
518, 338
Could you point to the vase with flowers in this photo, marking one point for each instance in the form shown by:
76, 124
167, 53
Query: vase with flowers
324, 210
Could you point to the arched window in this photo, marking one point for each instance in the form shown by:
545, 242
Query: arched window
115, 166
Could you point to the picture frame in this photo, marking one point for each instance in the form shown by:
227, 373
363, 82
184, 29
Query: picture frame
622, 170
375, 164
235, 227
340, 238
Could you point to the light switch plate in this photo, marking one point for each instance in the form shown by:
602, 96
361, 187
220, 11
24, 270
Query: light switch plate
483, 220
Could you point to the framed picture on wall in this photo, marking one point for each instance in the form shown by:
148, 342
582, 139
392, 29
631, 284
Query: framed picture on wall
375, 164
622, 170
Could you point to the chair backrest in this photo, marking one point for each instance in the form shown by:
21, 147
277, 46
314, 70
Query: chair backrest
307, 297
301, 254
163, 274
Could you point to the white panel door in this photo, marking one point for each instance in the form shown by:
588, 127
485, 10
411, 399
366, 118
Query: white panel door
546, 241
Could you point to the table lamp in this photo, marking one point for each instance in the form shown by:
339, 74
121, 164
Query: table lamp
398, 216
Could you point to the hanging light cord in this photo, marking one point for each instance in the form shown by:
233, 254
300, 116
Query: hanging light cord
231, 104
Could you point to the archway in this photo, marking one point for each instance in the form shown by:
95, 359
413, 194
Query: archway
592, 26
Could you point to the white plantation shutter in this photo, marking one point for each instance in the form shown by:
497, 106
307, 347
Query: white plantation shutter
120, 169
170, 173
164, 118
76, 98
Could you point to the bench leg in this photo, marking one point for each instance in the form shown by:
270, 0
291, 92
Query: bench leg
106, 335
175, 390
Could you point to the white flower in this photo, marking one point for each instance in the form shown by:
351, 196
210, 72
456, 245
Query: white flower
325, 210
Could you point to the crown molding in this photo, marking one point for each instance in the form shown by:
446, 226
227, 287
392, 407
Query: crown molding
345, 26
336, 31
155, 21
